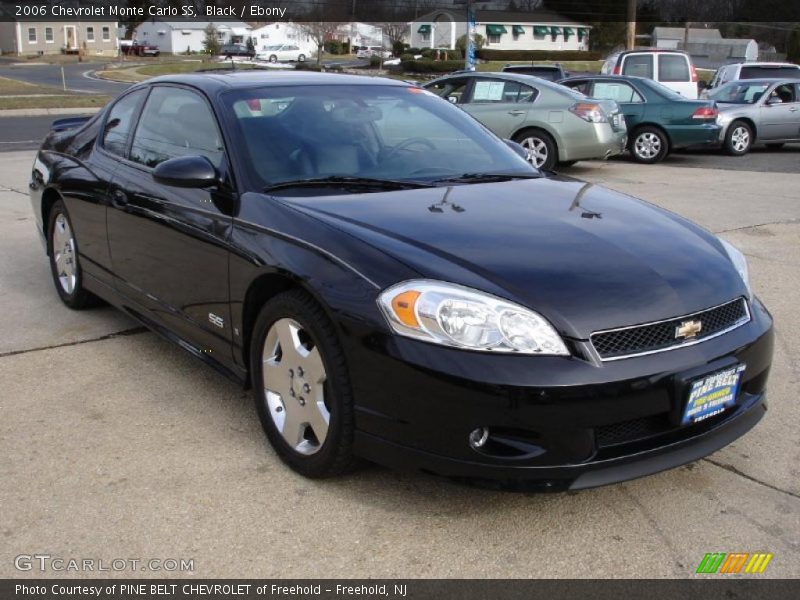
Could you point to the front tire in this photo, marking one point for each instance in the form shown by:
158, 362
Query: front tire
301, 58
273, 59
302, 387
649, 145
65, 267
738, 139
542, 151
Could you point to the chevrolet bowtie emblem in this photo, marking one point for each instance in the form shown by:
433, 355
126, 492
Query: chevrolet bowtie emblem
688, 329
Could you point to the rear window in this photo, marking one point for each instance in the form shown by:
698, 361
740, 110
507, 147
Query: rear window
638, 65
549, 73
769, 72
673, 67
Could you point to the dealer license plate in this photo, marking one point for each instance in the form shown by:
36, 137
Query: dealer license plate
712, 395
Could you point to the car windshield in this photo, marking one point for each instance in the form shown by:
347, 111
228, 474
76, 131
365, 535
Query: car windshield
548, 73
386, 132
739, 92
664, 91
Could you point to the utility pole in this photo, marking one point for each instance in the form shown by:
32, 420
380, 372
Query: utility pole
630, 41
686, 36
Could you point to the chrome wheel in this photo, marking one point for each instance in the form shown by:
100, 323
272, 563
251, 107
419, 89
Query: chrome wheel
294, 386
740, 138
647, 145
63, 249
537, 150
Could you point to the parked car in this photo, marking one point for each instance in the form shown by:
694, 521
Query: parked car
369, 51
229, 50
398, 284
548, 72
658, 119
763, 110
672, 68
553, 123
135, 48
754, 70
282, 53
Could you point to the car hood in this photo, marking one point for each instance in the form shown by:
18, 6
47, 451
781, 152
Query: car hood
585, 257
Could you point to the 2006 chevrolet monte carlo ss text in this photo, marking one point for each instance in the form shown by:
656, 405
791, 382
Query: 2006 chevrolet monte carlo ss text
400, 285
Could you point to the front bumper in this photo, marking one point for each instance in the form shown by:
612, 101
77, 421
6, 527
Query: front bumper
556, 423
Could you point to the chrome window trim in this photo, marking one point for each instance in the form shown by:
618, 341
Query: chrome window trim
743, 321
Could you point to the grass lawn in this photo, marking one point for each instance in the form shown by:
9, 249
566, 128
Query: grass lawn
141, 72
18, 94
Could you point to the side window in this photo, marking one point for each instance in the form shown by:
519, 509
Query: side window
785, 93
488, 91
639, 65
584, 87
725, 75
621, 92
176, 122
119, 123
673, 67
451, 90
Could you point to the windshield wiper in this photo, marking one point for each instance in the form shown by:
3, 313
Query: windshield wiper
341, 181
487, 177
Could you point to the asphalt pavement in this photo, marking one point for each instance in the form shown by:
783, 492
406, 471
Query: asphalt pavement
78, 77
115, 443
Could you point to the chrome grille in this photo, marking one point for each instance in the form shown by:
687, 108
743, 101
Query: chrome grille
656, 337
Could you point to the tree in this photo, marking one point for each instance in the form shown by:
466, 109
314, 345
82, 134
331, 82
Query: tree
211, 42
394, 31
793, 46
461, 43
318, 32
251, 45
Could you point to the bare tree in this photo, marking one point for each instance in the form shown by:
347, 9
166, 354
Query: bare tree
318, 32
394, 31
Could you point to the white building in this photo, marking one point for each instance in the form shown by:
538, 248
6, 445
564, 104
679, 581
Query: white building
502, 30
706, 46
179, 36
283, 32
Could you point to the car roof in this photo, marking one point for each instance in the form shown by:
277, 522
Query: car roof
766, 80
554, 67
633, 78
214, 81
756, 63
508, 75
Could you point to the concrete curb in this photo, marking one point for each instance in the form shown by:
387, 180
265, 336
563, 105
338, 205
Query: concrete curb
38, 112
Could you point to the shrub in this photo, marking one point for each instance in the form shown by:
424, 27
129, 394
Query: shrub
333, 46
431, 66
399, 47
461, 44
406, 57
374, 61
413, 50
555, 55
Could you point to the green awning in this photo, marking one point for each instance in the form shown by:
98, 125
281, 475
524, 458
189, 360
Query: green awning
424, 29
495, 30
582, 31
555, 30
518, 30
568, 31
541, 30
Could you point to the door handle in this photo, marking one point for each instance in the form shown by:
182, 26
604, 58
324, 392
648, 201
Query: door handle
517, 113
119, 198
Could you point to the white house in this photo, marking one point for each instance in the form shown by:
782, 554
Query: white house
282, 32
707, 46
502, 30
179, 36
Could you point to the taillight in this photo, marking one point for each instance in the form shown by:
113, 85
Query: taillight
617, 70
694, 74
705, 112
254, 104
589, 111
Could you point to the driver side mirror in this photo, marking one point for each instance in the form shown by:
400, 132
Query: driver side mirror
772, 100
452, 99
187, 172
522, 152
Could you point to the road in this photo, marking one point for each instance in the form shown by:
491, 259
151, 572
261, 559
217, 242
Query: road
115, 443
23, 133
77, 76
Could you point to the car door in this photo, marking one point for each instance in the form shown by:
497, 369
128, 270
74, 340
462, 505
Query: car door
780, 113
631, 102
500, 104
169, 244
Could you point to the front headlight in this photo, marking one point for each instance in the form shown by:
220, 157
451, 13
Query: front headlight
452, 315
739, 262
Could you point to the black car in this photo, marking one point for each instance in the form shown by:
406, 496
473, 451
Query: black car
548, 72
229, 50
398, 284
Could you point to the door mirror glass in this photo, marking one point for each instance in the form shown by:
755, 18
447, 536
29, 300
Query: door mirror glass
187, 172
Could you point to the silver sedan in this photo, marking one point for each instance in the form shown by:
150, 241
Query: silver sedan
764, 110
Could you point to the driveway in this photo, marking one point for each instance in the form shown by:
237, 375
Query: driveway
115, 443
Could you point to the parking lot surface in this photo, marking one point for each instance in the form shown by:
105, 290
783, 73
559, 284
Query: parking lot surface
114, 443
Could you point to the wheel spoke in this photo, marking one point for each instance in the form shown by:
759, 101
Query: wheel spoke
287, 337
318, 419
313, 367
293, 426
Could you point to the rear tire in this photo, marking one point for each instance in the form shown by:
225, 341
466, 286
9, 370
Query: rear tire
542, 150
304, 399
738, 139
62, 248
649, 145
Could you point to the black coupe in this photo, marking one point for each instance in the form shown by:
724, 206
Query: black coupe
398, 284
